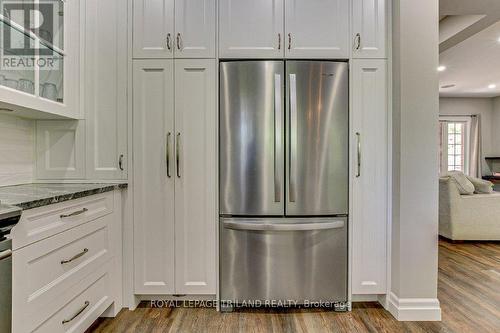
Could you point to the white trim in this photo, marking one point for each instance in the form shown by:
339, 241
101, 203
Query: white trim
414, 309
364, 298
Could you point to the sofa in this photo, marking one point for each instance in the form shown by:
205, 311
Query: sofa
467, 217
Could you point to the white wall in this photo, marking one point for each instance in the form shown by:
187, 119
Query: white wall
414, 241
495, 145
16, 150
470, 106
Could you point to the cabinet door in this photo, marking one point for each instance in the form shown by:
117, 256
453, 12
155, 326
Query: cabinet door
317, 29
195, 177
251, 29
369, 29
370, 153
153, 32
153, 176
195, 29
105, 88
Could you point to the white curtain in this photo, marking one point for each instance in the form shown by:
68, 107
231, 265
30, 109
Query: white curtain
475, 156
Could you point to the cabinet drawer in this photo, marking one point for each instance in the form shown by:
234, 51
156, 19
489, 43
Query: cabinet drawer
79, 312
47, 269
39, 223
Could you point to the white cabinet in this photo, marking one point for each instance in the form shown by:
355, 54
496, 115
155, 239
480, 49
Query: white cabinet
174, 176
369, 29
153, 28
195, 182
48, 89
154, 168
195, 29
251, 29
105, 88
370, 176
317, 28
168, 28
60, 149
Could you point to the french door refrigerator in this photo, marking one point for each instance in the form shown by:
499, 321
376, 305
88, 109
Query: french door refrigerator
283, 181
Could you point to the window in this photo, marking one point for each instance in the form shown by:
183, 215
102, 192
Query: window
454, 147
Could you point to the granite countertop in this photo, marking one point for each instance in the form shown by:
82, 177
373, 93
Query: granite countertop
30, 196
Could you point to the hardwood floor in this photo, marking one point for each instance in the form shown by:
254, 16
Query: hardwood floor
469, 292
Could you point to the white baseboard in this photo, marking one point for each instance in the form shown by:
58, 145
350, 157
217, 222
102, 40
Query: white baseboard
364, 298
414, 309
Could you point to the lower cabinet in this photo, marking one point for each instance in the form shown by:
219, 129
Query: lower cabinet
175, 176
67, 266
370, 176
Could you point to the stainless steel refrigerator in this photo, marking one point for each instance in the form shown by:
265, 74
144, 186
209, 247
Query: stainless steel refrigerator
284, 185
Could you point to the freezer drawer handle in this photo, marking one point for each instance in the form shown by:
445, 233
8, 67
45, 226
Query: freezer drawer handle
284, 226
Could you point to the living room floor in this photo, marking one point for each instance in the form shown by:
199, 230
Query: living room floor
469, 292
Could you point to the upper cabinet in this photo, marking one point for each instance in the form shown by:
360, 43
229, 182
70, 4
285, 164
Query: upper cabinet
169, 28
153, 28
317, 28
369, 29
251, 29
105, 88
39, 72
195, 29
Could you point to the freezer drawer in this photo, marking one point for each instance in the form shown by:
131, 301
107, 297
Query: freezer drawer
283, 259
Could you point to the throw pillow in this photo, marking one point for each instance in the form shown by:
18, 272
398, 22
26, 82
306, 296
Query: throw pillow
463, 184
481, 185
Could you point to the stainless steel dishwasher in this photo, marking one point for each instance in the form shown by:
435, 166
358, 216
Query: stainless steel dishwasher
9, 216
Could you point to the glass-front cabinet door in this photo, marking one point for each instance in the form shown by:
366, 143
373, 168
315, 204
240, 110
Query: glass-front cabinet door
39, 57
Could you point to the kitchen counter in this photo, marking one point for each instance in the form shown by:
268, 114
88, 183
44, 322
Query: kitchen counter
30, 196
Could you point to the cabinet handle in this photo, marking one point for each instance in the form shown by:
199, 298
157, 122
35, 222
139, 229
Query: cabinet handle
78, 212
120, 162
358, 172
79, 312
177, 153
76, 256
168, 154
279, 41
357, 42
169, 44
179, 41
289, 41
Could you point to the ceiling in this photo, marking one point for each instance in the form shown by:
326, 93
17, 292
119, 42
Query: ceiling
470, 47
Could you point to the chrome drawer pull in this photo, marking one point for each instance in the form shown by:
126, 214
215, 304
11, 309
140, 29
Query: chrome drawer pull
76, 256
78, 212
65, 321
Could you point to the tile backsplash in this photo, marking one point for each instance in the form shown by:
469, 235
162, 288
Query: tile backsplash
16, 150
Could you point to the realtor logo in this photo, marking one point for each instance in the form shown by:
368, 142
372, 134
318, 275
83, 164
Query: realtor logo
31, 34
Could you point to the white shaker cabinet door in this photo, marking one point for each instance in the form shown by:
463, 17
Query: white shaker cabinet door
105, 88
317, 29
195, 177
195, 29
153, 176
251, 29
369, 29
153, 28
370, 176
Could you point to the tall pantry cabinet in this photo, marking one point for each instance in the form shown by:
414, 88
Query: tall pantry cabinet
174, 111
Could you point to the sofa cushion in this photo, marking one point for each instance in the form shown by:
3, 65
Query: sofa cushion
464, 185
481, 185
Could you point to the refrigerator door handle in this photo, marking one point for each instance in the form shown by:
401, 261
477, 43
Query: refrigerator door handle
292, 163
358, 157
278, 148
284, 226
